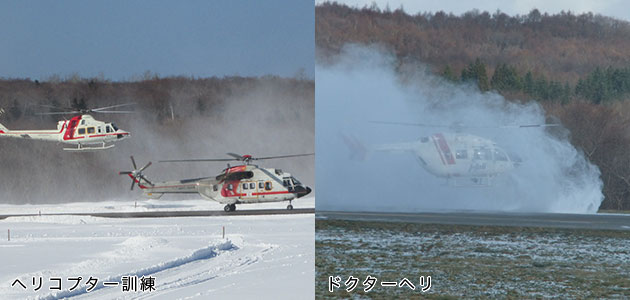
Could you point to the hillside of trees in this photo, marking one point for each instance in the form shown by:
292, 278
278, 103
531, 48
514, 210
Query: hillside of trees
175, 117
576, 66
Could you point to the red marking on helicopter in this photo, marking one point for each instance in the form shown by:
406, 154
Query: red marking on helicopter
270, 193
226, 192
443, 148
69, 134
237, 169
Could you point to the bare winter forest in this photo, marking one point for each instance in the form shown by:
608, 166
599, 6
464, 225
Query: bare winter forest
576, 66
175, 117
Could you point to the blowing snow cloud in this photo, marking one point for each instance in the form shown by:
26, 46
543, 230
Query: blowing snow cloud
366, 84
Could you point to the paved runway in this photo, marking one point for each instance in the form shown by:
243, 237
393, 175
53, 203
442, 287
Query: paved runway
166, 214
576, 221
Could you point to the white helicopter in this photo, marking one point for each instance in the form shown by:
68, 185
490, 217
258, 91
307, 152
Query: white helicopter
84, 131
454, 155
240, 184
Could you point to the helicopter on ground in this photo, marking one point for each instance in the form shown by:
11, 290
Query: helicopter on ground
83, 130
453, 155
242, 184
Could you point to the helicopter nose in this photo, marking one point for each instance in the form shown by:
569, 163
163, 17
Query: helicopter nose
516, 160
121, 134
302, 191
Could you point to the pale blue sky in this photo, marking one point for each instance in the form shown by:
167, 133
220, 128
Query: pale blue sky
122, 39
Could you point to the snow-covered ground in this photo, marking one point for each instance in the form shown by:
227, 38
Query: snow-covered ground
263, 257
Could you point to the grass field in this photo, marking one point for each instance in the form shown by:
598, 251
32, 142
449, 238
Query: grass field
472, 261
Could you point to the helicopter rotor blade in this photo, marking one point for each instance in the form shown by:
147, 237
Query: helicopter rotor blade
56, 107
143, 168
145, 179
133, 161
114, 111
112, 106
201, 159
237, 156
282, 156
457, 126
133, 182
58, 113
408, 124
531, 125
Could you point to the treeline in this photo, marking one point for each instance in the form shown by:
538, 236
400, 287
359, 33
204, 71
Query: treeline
561, 46
576, 66
161, 100
599, 87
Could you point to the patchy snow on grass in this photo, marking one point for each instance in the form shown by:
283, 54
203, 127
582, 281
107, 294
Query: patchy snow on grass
466, 262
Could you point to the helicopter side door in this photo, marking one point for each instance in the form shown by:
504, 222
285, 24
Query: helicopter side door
481, 163
248, 190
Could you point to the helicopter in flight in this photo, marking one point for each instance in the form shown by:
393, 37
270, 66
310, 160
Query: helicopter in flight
242, 184
87, 133
453, 155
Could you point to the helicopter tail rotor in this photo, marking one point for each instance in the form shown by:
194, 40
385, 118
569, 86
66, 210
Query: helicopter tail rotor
358, 151
136, 175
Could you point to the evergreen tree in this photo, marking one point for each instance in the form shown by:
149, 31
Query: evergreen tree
476, 72
528, 83
449, 74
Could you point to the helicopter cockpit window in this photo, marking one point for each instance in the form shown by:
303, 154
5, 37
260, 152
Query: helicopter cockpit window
114, 126
295, 181
81, 130
268, 186
286, 182
108, 129
90, 130
500, 155
461, 154
245, 185
482, 154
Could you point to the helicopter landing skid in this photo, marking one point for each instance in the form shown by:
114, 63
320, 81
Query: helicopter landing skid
482, 181
88, 148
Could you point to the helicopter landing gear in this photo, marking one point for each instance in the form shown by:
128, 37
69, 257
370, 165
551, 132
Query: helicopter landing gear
289, 207
230, 207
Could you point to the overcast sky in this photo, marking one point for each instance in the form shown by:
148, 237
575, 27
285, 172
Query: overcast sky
121, 39
614, 8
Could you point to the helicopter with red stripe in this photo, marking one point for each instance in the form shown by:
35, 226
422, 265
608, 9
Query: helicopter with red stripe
453, 155
242, 184
83, 131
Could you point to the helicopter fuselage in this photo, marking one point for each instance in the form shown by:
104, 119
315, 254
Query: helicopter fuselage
79, 130
457, 155
235, 185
